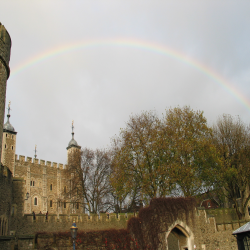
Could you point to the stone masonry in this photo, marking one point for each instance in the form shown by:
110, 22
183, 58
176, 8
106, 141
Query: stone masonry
5, 45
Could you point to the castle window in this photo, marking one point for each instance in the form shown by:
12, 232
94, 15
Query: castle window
50, 186
12, 147
35, 201
50, 203
64, 204
32, 183
6, 135
5, 146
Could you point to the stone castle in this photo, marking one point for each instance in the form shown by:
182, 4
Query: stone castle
44, 182
39, 186
28, 185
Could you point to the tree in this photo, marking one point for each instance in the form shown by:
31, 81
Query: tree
155, 158
232, 140
73, 191
188, 148
88, 173
96, 171
138, 168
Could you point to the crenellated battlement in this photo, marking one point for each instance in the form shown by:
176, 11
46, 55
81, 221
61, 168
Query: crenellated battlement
29, 160
93, 218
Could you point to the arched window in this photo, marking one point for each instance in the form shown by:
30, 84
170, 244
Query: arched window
35, 201
50, 186
5, 146
12, 147
50, 203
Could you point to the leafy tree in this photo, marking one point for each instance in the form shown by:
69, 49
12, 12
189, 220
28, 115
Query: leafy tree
138, 167
232, 141
189, 149
155, 158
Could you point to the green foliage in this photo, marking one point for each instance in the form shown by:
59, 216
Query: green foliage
154, 157
231, 138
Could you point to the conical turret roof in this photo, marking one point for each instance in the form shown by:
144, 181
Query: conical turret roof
73, 142
7, 127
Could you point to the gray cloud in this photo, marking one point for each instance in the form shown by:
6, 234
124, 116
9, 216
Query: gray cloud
100, 86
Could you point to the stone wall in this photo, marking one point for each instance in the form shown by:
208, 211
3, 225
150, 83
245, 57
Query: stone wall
45, 182
203, 232
8, 150
208, 235
6, 199
26, 225
223, 214
5, 45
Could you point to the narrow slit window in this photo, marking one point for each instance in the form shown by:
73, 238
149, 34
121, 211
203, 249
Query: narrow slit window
35, 201
50, 186
50, 203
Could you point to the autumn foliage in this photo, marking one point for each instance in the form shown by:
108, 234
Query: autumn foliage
157, 157
143, 232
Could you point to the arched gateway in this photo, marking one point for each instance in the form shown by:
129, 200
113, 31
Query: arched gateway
179, 237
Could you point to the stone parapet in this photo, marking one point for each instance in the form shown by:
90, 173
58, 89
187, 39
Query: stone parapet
35, 161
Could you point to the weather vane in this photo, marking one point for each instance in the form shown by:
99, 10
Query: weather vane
35, 152
72, 129
9, 108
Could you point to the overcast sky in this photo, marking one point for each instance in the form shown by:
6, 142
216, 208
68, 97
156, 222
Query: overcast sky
100, 85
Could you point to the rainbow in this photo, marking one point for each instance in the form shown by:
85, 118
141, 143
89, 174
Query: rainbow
138, 44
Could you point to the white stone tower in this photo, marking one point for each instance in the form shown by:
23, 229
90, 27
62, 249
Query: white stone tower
72, 146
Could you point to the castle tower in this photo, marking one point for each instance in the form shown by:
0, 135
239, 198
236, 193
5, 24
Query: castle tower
72, 146
5, 45
9, 144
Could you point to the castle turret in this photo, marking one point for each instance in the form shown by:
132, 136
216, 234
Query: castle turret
72, 146
9, 144
5, 45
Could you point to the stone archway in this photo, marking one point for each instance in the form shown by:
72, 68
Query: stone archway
179, 237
